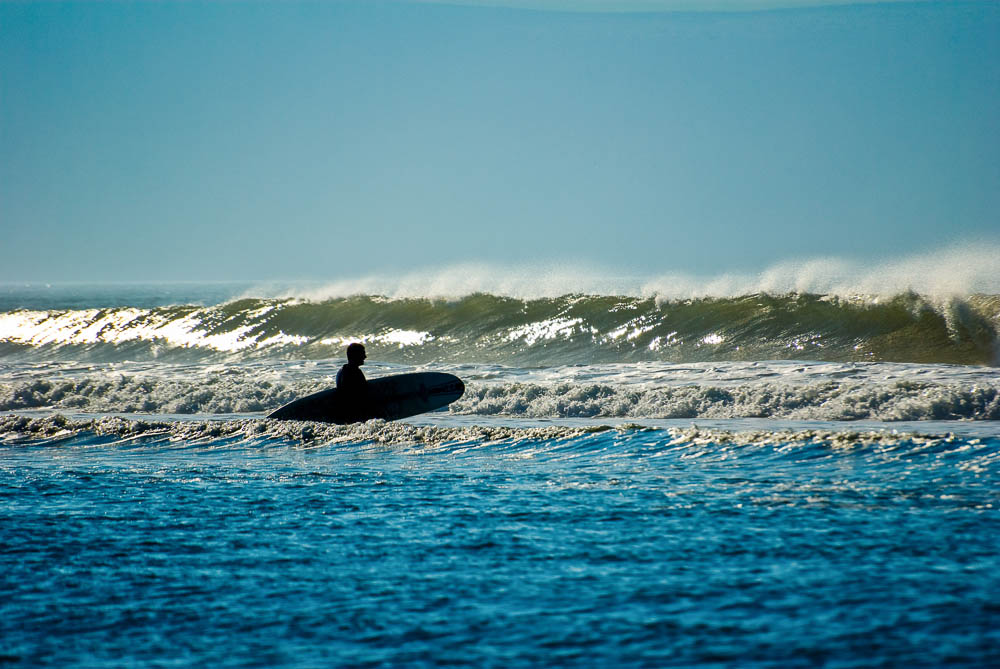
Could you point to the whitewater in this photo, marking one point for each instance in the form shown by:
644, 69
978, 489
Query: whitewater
795, 468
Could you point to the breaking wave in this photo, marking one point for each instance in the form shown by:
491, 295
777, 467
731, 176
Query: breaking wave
487, 328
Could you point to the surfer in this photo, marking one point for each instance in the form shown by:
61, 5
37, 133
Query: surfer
352, 385
350, 378
389, 397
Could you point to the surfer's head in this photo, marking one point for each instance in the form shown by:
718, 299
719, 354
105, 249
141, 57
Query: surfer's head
356, 354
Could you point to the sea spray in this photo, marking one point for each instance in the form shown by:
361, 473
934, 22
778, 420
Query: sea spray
960, 269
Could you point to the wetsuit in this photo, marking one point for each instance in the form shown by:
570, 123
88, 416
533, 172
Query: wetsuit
350, 378
352, 389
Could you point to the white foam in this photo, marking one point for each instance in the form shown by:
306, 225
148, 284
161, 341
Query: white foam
792, 390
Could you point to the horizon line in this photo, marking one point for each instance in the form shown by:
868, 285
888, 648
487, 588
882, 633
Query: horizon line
665, 6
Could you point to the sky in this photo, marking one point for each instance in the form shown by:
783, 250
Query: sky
201, 141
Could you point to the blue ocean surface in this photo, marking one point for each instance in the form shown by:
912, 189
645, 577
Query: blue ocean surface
634, 546
619, 486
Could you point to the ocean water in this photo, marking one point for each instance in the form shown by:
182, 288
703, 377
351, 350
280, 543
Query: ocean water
631, 479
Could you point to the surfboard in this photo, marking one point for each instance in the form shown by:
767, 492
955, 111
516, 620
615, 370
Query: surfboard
389, 397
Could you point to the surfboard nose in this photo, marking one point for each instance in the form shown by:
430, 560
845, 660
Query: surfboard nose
454, 387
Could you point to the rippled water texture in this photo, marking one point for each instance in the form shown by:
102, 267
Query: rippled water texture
616, 547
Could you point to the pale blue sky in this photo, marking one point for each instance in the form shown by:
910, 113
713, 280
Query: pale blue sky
231, 141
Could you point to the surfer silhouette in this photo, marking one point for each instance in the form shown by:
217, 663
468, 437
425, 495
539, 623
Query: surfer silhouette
388, 397
351, 381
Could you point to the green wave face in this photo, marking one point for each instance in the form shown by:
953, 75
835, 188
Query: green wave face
485, 328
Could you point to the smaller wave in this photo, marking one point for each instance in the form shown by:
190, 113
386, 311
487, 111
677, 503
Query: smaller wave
508, 441
14, 427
